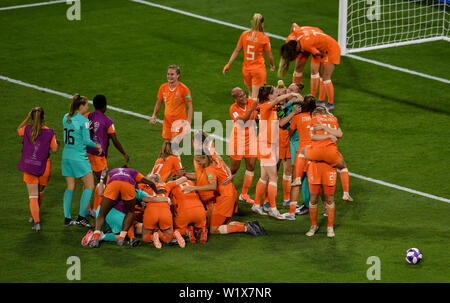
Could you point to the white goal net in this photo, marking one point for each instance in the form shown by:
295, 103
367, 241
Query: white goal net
372, 24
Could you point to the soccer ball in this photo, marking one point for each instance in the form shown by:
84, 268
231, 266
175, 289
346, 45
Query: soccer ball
413, 256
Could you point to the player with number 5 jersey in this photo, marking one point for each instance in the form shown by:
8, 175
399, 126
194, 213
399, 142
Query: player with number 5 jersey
75, 162
255, 44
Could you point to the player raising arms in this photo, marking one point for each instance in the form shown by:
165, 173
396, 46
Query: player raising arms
254, 43
102, 129
225, 199
75, 162
268, 148
318, 44
35, 162
167, 163
242, 142
176, 97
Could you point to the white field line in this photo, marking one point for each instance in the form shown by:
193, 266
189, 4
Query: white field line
31, 5
284, 38
51, 91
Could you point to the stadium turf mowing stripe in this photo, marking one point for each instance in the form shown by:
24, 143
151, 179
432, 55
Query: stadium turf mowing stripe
284, 38
409, 190
31, 5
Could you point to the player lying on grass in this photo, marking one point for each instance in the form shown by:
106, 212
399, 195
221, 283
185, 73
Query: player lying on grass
325, 132
120, 181
35, 162
225, 202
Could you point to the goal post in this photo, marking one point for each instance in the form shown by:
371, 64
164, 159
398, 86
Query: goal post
374, 24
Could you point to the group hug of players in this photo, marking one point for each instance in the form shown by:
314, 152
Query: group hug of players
273, 125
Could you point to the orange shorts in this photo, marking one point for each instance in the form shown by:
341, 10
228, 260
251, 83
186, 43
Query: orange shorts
226, 202
332, 55
284, 152
195, 215
157, 216
98, 163
268, 154
237, 152
172, 127
116, 187
303, 57
218, 219
256, 77
321, 174
42, 179
328, 154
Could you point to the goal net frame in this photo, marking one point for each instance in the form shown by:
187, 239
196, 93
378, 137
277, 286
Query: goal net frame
377, 18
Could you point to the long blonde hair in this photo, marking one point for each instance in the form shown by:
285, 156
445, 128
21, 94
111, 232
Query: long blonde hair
77, 101
37, 116
257, 22
166, 150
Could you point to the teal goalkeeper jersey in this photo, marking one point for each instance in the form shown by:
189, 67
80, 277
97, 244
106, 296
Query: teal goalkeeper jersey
289, 107
76, 137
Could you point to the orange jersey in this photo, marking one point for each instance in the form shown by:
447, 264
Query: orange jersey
175, 100
183, 200
331, 122
167, 167
216, 171
311, 42
254, 45
268, 123
302, 123
297, 31
167, 186
243, 134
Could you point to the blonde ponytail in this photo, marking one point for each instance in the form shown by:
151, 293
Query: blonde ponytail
77, 101
257, 23
37, 116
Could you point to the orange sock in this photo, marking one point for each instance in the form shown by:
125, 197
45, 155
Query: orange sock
163, 237
232, 228
287, 180
331, 210
97, 199
322, 93
315, 80
34, 208
147, 237
292, 207
131, 232
260, 190
345, 180
300, 165
329, 89
248, 179
272, 189
297, 77
313, 210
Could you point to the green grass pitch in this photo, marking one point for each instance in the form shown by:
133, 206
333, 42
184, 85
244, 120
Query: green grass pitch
396, 129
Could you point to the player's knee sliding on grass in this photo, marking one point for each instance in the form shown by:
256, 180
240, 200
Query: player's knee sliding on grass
35, 162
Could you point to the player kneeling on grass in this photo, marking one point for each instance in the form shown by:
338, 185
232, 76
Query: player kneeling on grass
321, 175
158, 218
114, 219
225, 198
121, 181
190, 213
